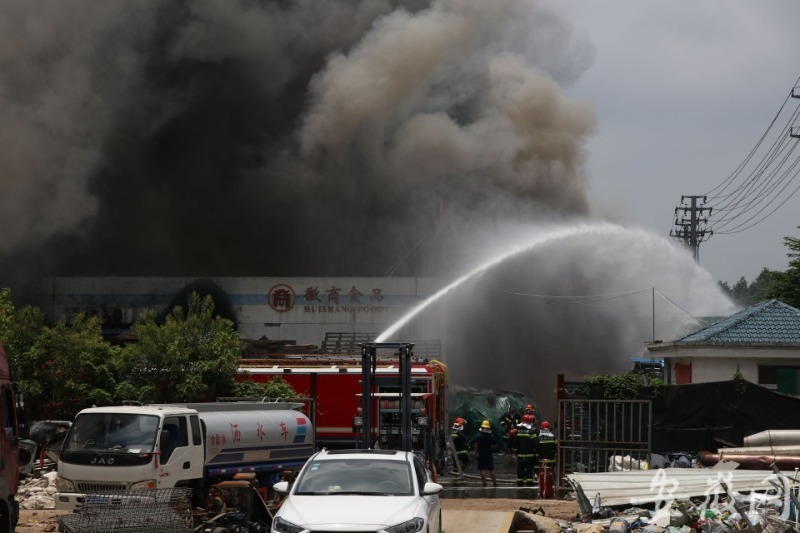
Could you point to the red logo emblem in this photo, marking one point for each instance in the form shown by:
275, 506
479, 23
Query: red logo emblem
281, 297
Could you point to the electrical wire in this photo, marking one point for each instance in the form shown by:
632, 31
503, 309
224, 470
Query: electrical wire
738, 169
589, 299
766, 192
746, 198
407, 255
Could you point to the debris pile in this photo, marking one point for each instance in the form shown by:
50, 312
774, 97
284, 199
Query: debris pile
37, 492
725, 515
718, 500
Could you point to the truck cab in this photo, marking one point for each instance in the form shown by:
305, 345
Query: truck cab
123, 448
181, 445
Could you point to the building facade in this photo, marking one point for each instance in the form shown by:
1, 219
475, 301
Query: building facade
302, 310
761, 342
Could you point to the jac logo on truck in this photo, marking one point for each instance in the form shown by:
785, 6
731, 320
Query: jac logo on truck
281, 297
102, 461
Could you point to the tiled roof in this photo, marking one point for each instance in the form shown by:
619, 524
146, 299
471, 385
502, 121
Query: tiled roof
767, 322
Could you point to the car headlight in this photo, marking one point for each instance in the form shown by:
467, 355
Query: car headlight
415, 524
146, 484
65, 485
284, 526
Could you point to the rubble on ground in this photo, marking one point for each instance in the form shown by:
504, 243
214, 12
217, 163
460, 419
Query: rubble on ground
37, 492
768, 515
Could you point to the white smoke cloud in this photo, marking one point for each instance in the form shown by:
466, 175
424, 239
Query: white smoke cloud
576, 298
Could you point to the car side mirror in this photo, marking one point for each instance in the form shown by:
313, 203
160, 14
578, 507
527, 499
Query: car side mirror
281, 486
432, 488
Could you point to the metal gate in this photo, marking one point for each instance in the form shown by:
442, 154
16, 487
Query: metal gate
602, 435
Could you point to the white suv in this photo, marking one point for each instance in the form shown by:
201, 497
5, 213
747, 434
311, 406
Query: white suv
381, 491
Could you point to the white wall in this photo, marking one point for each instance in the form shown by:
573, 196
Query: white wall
707, 369
308, 308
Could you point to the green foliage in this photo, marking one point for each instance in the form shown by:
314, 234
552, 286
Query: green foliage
19, 330
788, 285
191, 357
785, 286
70, 368
61, 369
740, 384
275, 388
764, 287
6, 312
626, 386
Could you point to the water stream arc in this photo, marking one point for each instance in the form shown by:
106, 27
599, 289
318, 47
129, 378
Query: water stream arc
542, 239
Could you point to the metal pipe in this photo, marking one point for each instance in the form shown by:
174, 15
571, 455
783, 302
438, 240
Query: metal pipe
762, 450
752, 462
774, 437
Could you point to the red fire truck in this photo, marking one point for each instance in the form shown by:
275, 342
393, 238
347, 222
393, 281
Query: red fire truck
334, 383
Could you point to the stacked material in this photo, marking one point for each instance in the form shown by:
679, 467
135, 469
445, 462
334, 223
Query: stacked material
761, 451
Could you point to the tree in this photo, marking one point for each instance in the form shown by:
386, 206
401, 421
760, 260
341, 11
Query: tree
275, 388
70, 368
61, 369
762, 288
192, 356
788, 283
19, 331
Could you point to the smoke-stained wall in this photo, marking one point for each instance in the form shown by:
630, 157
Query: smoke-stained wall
299, 310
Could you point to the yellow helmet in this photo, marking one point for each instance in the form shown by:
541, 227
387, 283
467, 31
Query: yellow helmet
485, 424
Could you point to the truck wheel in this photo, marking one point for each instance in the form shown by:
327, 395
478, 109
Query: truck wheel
9, 514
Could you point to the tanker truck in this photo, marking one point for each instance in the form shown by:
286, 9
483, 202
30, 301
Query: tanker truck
193, 445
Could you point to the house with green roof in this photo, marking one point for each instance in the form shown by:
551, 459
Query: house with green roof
762, 342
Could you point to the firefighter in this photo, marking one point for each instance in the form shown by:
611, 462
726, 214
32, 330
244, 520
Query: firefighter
531, 410
526, 443
460, 442
484, 445
547, 446
509, 421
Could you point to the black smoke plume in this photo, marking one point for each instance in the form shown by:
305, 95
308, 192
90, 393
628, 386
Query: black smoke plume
277, 137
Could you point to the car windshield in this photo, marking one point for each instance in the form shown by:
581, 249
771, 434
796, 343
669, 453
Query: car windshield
355, 476
112, 432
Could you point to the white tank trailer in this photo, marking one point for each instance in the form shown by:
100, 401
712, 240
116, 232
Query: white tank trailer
179, 445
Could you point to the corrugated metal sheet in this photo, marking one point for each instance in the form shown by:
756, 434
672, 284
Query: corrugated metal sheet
639, 487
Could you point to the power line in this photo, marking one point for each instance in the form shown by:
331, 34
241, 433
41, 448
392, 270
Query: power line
588, 299
745, 198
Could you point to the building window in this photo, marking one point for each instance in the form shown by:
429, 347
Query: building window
785, 377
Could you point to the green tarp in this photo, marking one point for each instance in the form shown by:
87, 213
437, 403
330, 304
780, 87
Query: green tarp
475, 406
708, 416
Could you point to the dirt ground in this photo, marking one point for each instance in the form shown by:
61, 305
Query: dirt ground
558, 509
31, 520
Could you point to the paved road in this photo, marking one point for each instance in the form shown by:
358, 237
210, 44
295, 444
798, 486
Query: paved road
457, 521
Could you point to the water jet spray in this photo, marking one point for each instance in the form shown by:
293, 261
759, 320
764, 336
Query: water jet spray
540, 240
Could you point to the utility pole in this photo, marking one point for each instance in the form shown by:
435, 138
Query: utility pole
795, 131
688, 220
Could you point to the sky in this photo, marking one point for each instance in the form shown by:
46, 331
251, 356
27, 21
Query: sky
682, 92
